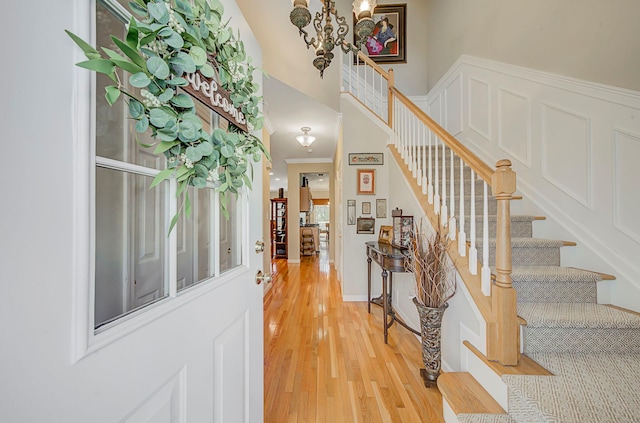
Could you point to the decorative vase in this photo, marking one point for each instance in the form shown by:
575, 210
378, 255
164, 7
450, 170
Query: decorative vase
430, 330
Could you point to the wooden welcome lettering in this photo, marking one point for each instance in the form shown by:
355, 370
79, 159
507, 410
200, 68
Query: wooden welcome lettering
209, 93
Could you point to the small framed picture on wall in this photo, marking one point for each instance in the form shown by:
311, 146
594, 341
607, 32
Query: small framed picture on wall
366, 207
366, 181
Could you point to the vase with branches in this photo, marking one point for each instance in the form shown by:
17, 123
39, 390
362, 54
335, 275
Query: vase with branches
435, 284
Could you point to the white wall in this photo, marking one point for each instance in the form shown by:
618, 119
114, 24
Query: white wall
574, 146
362, 134
588, 39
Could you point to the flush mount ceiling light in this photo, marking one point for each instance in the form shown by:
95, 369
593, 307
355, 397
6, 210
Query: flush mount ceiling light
305, 140
326, 40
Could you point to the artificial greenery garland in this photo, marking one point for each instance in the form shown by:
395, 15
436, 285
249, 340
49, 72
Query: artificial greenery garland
170, 41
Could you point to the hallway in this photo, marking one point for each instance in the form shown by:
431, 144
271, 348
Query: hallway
325, 360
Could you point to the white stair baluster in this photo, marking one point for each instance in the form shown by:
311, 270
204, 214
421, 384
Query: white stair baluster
452, 199
473, 250
436, 198
430, 164
462, 236
444, 215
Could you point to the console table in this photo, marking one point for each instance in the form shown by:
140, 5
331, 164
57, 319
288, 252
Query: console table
390, 259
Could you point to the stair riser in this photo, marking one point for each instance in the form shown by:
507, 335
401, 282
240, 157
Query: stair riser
571, 340
519, 229
556, 292
527, 256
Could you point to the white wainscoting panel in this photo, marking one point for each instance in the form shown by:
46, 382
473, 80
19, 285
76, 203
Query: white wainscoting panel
165, 405
479, 99
566, 152
514, 124
626, 193
574, 145
453, 101
434, 108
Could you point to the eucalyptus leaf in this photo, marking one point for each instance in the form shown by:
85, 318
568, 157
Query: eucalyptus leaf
142, 125
164, 174
167, 134
158, 68
158, 117
138, 9
164, 146
132, 34
193, 118
227, 151
98, 65
87, 49
198, 55
139, 80
159, 12
193, 154
112, 93
127, 66
188, 132
205, 148
175, 41
201, 170
183, 101
136, 109
132, 54
178, 81
166, 32
199, 182
182, 63
207, 71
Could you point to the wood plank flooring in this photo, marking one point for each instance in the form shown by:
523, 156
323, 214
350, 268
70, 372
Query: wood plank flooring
326, 361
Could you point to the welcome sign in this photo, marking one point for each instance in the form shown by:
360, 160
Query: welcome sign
212, 95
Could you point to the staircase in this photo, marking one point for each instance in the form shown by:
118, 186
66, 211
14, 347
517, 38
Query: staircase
580, 360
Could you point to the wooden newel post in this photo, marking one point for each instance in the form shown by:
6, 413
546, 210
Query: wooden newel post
390, 84
503, 295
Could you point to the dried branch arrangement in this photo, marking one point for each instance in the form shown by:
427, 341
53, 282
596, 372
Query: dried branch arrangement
433, 273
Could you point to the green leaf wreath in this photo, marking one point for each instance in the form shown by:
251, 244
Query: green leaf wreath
169, 40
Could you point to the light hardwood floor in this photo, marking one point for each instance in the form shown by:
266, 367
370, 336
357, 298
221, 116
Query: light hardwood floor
326, 361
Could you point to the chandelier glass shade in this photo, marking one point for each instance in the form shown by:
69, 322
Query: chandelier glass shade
326, 40
305, 139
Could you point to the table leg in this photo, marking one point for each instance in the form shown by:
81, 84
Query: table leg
385, 304
368, 284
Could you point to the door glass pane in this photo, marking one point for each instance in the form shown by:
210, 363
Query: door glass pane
115, 131
194, 235
130, 243
231, 235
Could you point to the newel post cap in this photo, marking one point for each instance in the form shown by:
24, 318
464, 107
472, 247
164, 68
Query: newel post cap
503, 180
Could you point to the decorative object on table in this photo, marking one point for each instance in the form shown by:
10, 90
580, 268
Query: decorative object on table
396, 212
178, 46
386, 234
402, 228
351, 212
366, 181
366, 158
326, 40
366, 225
366, 207
435, 285
381, 208
387, 41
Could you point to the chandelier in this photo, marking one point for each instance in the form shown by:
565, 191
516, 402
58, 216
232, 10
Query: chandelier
305, 140
325, 39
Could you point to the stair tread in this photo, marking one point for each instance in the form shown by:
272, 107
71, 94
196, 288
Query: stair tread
484, 418
464, 394
525, 366
576, 315
587, 387
525, 242
553, 274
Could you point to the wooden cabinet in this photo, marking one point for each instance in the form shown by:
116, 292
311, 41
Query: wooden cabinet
279, 227
305, 199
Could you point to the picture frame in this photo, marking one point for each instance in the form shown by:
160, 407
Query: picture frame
388, 43
351, 212
366, 225
381, 208
402, 227
366, 207
385, 236
366, 182
366, 159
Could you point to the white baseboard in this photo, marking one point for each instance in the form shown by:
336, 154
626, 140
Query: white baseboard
354, 298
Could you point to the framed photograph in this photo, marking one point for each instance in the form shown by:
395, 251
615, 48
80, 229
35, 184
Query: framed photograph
402, 227
387, 43
381, 208
351, 212
366, 225
366, 158
386, 234
366, 207
366, 181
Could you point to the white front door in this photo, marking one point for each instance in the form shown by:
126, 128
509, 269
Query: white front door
192, 355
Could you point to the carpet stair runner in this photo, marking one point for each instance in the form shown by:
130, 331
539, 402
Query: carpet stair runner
592, 350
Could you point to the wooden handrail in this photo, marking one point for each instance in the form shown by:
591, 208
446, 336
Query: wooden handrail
480, 167
373, 64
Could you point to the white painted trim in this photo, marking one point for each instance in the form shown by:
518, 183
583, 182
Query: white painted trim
374, 118
354, 298
320, 160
